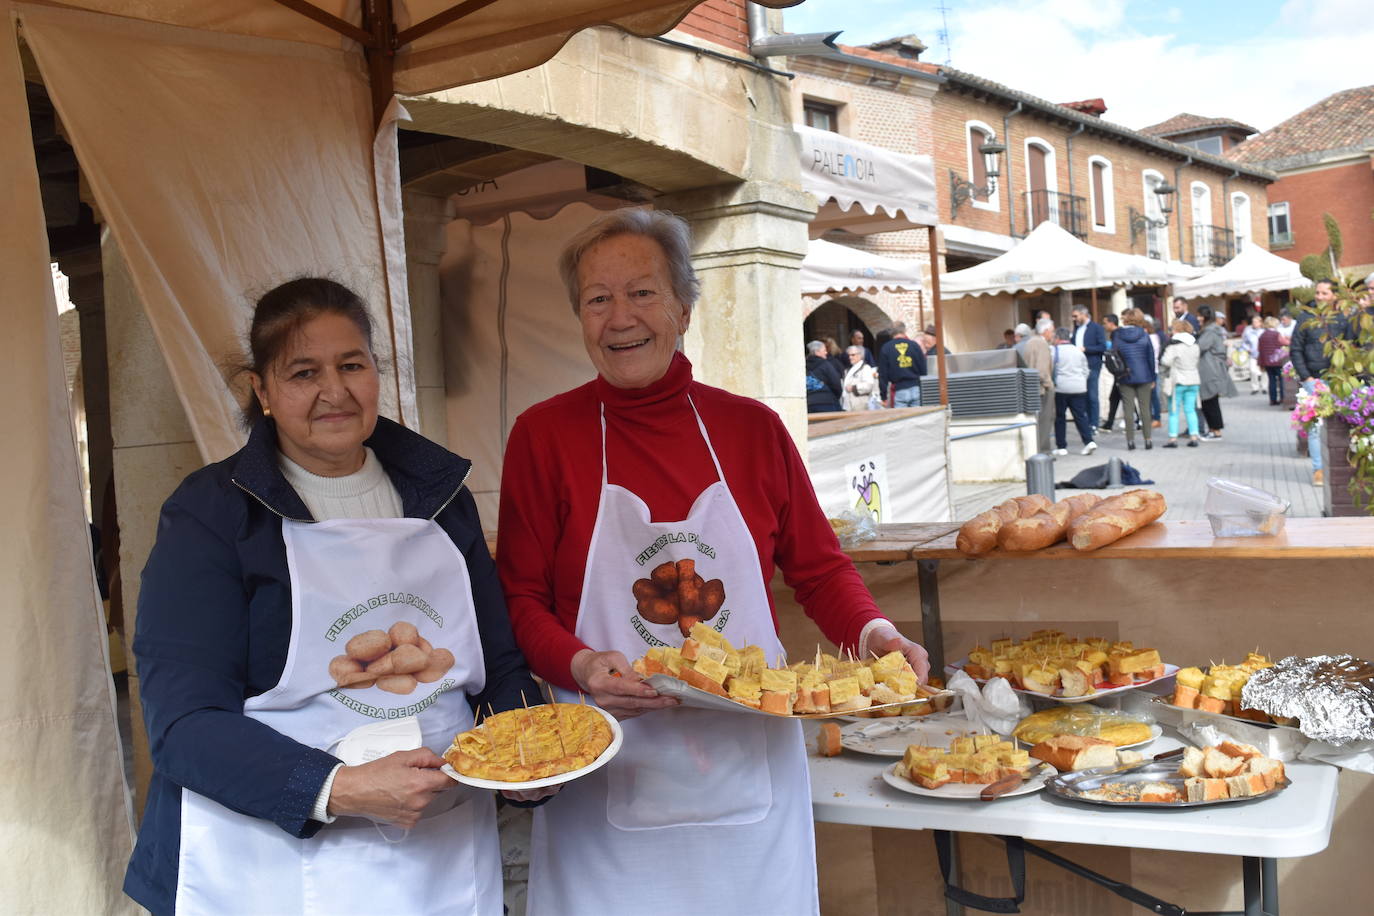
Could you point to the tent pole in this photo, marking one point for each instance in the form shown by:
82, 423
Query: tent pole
939, 321
380, 55
328, 20
1095, 316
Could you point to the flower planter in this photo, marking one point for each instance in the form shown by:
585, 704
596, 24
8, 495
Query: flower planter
1338, 471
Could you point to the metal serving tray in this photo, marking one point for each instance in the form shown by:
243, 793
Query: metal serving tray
1071, 785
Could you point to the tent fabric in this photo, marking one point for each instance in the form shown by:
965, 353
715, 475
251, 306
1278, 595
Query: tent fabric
867, 180
503, 37
1052, 258
511, 339
913, 453
830, 269
217, 187
1254, 270
68, 821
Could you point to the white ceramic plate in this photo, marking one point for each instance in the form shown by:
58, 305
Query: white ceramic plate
617, 738
1169, 671
694, 696
891, 737
964, 791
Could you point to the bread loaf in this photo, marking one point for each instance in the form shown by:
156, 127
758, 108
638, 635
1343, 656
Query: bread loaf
981, 533
1075, 752
1114, 518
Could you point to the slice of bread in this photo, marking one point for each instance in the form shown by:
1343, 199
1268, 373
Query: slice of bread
1219, 765
1160, 792
1191, 767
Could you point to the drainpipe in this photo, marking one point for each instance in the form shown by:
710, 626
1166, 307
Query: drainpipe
764, 44
1068, 154
1011, 197
1178, 189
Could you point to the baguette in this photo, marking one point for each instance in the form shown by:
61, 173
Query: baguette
979, 534
1114, 518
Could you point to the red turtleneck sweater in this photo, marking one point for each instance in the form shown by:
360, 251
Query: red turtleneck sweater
551, 485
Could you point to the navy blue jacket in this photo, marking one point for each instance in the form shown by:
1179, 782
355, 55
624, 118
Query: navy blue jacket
1307, 347
1094, 343
823, 385
214, 626
901, 363
1135, 348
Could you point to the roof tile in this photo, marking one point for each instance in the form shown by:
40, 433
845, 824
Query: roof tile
1342, 120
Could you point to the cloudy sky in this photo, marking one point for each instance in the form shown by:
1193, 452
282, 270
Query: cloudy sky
1257, 61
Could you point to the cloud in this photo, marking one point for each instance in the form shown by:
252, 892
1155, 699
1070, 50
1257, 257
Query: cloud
1256, 62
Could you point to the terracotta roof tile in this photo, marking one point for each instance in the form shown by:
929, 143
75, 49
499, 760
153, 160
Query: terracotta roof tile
1343, 120
1184, 122
889, 58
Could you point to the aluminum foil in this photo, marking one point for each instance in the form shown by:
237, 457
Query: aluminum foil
1331, 696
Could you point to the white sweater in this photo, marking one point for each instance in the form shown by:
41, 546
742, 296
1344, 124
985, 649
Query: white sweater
366, 493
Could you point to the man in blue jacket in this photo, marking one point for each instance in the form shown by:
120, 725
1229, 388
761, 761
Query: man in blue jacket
1091, 341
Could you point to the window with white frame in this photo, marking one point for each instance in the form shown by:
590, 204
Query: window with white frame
1240, 219
1201, 196
1102, 194
1280, 227
821, 115
1156, 237
1042, 184
976, 133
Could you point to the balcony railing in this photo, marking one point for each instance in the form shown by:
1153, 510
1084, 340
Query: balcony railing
1213, 246
1064, 210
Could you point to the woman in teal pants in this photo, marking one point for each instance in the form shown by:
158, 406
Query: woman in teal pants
1181, 357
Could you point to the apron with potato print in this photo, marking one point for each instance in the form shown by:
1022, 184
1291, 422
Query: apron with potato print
702, 809
383, 627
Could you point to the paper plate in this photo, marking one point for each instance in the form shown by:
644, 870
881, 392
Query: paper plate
960, 791
1169, 671
688, 695
617, 738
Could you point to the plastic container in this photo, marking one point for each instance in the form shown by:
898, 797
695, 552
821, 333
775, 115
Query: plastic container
1238, 511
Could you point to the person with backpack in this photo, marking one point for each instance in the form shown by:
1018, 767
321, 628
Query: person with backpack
823, 386
1132, 346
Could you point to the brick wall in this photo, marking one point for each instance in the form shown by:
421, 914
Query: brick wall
952, 112
1347, 193
720, 21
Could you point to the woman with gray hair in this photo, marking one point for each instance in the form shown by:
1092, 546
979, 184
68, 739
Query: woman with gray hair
644, 469
860, 383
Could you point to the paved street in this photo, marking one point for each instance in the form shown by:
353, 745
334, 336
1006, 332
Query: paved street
1257, 449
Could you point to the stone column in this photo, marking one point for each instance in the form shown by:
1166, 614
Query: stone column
86, 289
153, 450
1120, 301
746, 332
426, 217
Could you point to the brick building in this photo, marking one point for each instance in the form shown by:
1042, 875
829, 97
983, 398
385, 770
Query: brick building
1062, 163
1324, 157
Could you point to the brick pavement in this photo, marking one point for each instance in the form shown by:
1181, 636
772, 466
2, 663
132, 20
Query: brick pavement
1257, 449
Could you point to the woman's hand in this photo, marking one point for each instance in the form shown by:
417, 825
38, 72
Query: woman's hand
614, 685
394, 789
886, 639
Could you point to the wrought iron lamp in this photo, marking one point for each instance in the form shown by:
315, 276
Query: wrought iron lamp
1140, 222
961, 190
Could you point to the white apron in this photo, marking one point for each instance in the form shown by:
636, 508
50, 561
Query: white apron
701, 811
349, 577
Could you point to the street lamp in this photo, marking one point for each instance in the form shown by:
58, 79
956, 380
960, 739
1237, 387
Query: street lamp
961, 190
1140, 222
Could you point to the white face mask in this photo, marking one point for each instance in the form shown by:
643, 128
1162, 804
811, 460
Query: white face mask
374, 741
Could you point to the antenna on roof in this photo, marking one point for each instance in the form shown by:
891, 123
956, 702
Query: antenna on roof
943, 34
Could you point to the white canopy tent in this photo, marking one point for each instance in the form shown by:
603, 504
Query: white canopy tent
1051, 258
863, 188
215, 182
831, 269
1254, 270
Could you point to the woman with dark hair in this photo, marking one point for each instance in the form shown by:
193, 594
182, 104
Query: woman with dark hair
1214, 372
640, 467
1131, 341
1272, 355
318, 618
